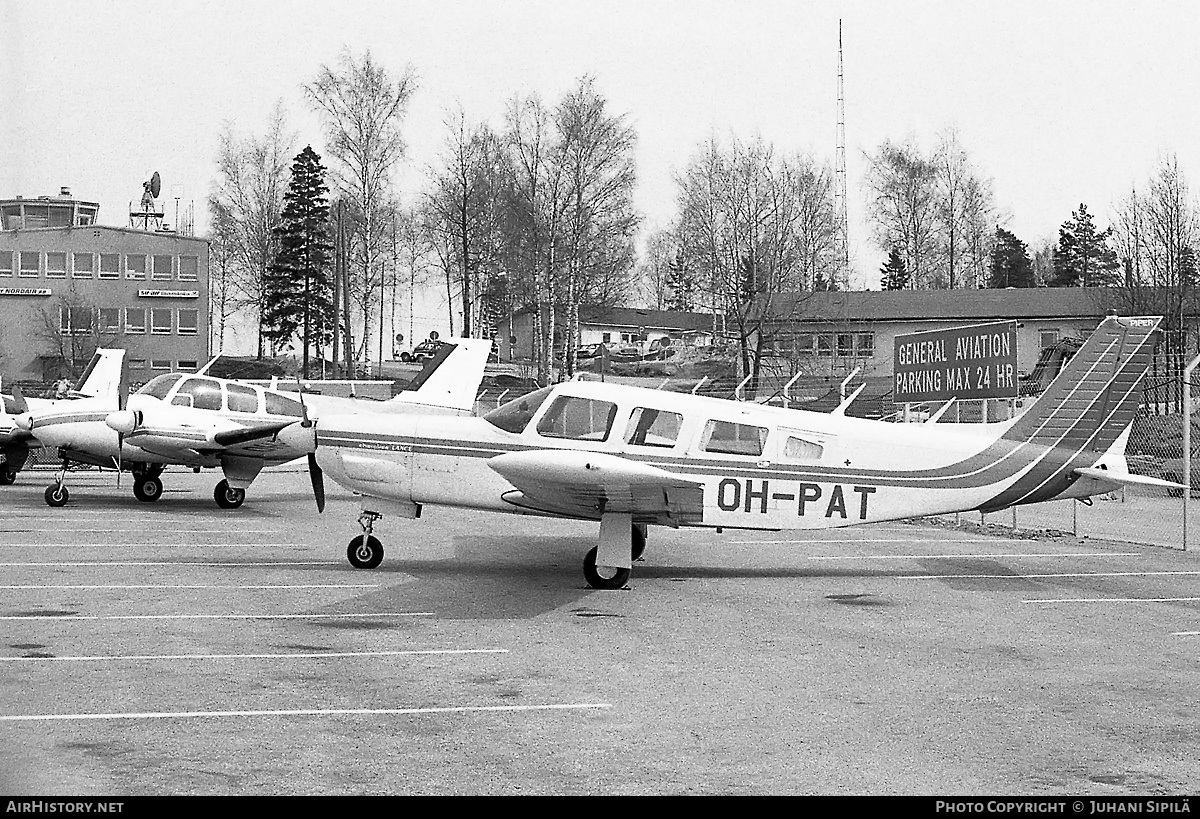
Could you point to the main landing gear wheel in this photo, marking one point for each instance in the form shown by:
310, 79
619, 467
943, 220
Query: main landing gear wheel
6, 477
227, 497
147, 488
365, 552
613, 578
57, 495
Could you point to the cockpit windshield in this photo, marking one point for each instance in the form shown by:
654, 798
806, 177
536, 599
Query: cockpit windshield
160, 385
514, 416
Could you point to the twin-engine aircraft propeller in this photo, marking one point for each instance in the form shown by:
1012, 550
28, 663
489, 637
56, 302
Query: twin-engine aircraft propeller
309, 445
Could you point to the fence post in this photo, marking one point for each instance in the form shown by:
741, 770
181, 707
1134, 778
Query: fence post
1187, 442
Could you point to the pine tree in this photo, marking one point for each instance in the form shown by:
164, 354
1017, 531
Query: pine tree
299, 295
681, 284
894, 275
1083, 257
1011, 266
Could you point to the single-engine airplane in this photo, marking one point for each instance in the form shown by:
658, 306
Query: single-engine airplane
630, 457
97, 388
200, 421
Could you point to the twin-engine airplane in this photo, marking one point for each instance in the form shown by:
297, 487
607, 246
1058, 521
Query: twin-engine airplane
630, 457
98, 387
203, 422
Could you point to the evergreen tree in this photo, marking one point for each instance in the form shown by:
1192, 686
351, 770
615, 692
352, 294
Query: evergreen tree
299, 292
681, 285
1189, 271
1011, 266
894, 274
1083, 257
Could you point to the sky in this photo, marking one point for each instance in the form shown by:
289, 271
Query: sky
1057, 103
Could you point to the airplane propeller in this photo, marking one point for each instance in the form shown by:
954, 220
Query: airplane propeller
315, 474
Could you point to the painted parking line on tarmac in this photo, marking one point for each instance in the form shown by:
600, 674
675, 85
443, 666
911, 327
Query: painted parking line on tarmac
806, 541
1185, 634
311, 655
174, 530
1115, 600
41, 544
123, 587
212, 616
154, 563
310, 712
970, 555
1037, 576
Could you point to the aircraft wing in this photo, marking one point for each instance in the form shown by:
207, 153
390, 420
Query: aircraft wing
164, 437
578, 484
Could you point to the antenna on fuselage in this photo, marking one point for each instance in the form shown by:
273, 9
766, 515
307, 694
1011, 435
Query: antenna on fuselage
212, 361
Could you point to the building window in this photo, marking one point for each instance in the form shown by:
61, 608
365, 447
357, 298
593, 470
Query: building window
162, 267
605, 338
824, 344
1047, 338
6, 263
192, 365
188, 321
160, 364
189, 267
135, 266
83, 265
135, 319
160, 321
136, 363
30, 263
845, 345
864, 345
56, 265
110, 319
76, 321
110, 265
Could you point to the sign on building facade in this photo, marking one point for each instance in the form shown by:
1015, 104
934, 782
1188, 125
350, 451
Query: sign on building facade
975, 361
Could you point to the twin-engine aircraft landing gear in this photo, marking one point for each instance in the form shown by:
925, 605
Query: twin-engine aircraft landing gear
365, 551
147, 485
147, 488
7, 477
227, 497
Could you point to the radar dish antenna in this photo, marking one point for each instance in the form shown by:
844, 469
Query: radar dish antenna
148, 217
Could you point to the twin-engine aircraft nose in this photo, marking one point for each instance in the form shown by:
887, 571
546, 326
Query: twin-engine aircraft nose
122, 421
300, 436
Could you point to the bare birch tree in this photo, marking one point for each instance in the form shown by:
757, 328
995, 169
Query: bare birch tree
363, 106
247, 201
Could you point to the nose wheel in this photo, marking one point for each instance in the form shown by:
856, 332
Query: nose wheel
365, 551
227, 497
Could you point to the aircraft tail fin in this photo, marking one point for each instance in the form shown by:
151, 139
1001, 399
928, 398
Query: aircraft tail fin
1092, 401
102, 378
451, 378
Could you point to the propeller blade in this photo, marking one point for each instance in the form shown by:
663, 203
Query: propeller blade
19, 404
318, 481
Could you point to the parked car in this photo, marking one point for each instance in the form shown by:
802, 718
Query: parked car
426, 350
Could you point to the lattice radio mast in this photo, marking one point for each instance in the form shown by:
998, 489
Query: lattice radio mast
841, 276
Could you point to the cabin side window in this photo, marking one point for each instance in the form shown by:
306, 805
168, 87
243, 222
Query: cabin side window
579, 419
653, 427
278, 405
242, 398
728, 438
800, 449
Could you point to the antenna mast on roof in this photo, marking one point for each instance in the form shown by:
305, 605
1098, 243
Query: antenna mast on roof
841, 275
